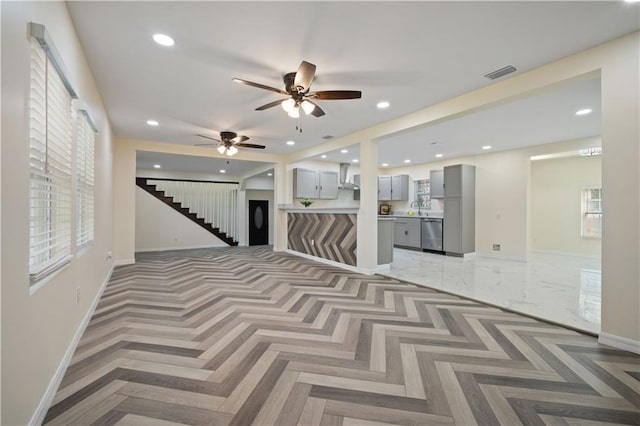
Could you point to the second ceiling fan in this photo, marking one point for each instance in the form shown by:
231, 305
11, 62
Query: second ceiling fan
297, 85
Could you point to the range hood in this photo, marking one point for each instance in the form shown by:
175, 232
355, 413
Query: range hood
344, 183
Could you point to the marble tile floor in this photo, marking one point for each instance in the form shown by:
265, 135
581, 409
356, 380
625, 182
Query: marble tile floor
564, 289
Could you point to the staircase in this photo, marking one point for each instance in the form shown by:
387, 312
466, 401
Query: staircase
160, 195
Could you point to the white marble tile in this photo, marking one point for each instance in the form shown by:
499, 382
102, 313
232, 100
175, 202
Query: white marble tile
561, 288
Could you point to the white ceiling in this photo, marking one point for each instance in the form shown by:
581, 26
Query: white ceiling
198, 165
412, 54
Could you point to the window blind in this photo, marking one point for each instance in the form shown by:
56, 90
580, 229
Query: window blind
50, 159
85, 141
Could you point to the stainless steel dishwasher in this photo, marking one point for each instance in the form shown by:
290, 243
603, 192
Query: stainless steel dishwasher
432, 234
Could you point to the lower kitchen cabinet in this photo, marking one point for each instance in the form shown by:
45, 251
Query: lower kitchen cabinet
407, 232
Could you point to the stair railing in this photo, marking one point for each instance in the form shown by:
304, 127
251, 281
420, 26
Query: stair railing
216, 203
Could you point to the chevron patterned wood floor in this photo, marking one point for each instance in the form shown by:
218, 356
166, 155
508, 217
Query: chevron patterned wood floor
240, 336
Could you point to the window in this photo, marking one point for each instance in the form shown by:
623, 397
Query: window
85, 140
592, 213
50, 160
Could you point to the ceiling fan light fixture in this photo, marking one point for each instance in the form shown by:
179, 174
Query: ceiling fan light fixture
232, 150
288, 104
294, 113
221, 149
308, 107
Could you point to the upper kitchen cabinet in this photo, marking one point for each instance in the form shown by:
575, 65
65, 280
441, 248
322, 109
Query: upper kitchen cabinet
436, 178
400, 188
393, 188
315, 184
384, 188
458, 179
328, 182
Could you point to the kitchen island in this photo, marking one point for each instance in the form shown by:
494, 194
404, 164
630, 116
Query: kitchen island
331, 234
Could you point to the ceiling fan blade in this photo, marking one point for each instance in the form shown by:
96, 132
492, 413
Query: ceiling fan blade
336, 94
239, 139
304, 75
270, 105
209, 137
317, 111
250, 145
260, 86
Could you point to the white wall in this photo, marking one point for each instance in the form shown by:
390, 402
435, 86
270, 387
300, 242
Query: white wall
38, 328
556, 203
255, 194
159, 227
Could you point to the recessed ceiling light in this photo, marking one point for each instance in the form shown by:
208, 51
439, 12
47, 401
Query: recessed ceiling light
223, 171
156, 166
382, 104
407, 161
486, 147
355, 160
323, 156
152, 122
344, 151
438, 155
269, 174
163, 39
385, 164
583, 111
291, 143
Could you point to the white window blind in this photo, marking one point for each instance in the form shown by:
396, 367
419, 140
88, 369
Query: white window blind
592, 213
50, 158
85, 141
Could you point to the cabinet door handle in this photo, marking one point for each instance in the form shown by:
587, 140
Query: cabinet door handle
406, 232
320, 187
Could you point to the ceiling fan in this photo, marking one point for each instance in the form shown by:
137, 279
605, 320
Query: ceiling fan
228, 143
297, 85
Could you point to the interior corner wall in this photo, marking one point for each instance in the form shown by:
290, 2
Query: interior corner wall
124, 202
556, 204
256, 194
38, 329
159, 227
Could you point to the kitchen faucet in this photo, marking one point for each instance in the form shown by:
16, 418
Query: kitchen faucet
418, 205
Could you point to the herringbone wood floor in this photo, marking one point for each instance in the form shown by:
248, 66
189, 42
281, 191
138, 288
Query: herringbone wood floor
247, 336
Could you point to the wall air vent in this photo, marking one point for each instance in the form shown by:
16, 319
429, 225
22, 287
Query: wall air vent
493, 75
327, 137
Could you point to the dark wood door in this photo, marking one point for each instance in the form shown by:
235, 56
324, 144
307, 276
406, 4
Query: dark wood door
258, 222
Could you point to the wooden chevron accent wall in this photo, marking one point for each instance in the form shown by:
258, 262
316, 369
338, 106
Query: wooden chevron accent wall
333, 235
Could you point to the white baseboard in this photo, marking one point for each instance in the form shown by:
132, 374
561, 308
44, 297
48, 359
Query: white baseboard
620, 342
122, 262
566, 253
47, 398
329, 262
145, 250
503, 257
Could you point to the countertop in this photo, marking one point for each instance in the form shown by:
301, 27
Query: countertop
434, 215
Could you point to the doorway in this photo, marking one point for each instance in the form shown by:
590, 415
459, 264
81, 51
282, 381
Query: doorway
258, 222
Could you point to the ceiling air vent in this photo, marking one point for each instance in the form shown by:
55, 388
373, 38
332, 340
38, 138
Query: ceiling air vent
493, 75
327, 137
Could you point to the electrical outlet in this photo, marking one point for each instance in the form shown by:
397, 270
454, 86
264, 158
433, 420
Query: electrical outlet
496, 247
313, 242
109, 255
77, 294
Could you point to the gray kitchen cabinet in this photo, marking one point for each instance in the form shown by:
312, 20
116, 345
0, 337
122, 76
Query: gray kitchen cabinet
436, 178
393, 188
390, 188
407, 232
384, 188
459, 209
315, 184
328, 182
400, 188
